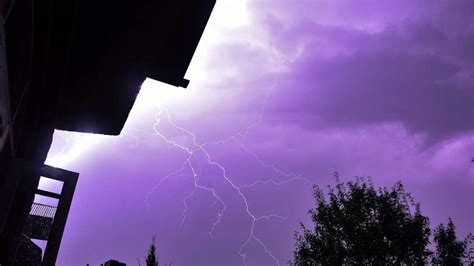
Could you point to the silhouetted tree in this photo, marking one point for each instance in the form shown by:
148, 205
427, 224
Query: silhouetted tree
449, 250
357, 224
152, 259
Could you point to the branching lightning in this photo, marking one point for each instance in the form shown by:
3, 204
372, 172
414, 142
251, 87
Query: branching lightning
197, 154
192, 160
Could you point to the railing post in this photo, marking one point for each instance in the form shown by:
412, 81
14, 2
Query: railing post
59, 222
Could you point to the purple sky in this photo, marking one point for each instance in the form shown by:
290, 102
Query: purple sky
282, 94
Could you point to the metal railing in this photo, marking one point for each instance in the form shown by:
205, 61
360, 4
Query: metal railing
43, 210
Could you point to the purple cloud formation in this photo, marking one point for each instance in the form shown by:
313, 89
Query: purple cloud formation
417, 71
298, 90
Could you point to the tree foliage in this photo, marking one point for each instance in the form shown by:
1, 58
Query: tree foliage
449, 250
151, 258
358, 224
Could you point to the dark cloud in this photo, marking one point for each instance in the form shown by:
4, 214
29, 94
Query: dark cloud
414, 72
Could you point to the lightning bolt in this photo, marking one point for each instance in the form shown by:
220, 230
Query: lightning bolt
133, 137
71, 148
190, 164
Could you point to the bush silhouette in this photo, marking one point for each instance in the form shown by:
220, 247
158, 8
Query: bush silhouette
151, 258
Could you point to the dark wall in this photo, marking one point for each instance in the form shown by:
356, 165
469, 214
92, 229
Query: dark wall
78, 65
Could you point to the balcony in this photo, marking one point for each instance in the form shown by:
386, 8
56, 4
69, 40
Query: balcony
39, 222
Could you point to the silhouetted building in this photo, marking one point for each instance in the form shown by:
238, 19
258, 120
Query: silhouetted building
75, 65
114, 263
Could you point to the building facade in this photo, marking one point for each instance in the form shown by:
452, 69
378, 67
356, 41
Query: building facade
75, 65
